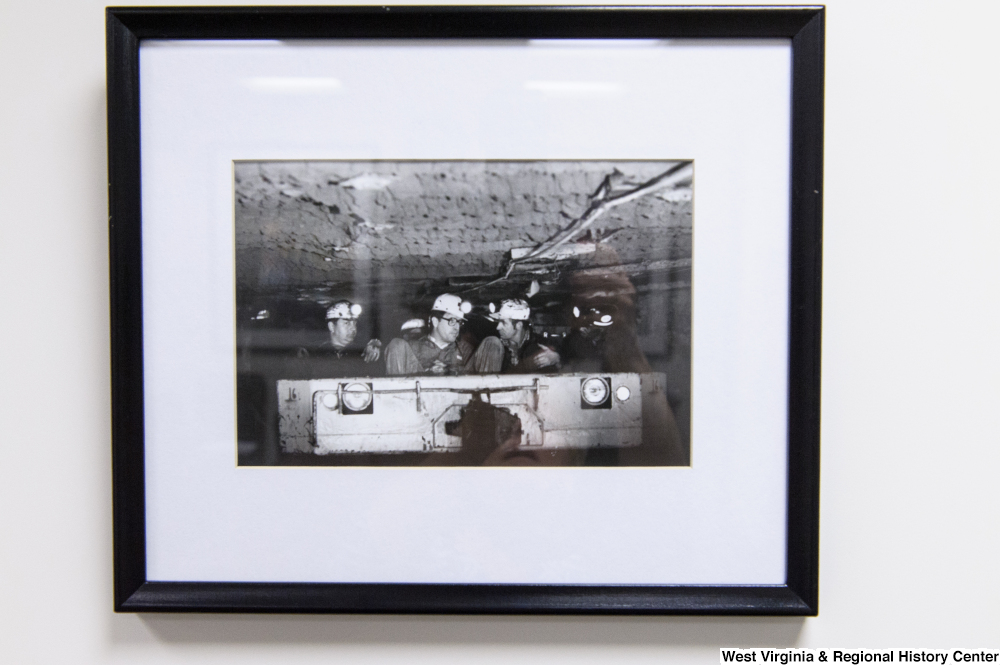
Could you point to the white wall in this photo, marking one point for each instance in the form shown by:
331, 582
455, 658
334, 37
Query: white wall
910, 497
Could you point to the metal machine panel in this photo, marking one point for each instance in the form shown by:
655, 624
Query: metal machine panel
423, 414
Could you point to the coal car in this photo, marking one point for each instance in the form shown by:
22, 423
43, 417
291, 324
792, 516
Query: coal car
429, 414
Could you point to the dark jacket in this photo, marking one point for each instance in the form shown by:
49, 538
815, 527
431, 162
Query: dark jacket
328, 362
523, 361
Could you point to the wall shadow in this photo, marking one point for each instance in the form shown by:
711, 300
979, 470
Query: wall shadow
494, 631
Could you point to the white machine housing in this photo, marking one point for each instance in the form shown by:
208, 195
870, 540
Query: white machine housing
412, 414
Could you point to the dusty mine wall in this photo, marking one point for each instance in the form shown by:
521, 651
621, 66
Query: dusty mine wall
300, 224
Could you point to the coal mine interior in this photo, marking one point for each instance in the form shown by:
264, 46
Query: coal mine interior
578, 240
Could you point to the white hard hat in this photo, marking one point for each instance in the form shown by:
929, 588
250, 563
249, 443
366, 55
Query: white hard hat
512, 309
412, 324
343, 309
450, 304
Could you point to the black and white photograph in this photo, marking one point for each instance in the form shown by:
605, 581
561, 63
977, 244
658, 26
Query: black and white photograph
463, 313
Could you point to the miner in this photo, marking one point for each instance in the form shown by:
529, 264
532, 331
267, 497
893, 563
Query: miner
437, 352
516, 349
338, 356
342, 322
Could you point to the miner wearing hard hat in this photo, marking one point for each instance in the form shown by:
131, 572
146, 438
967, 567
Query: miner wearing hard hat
516, 349
342, 322
338, 355
437, 352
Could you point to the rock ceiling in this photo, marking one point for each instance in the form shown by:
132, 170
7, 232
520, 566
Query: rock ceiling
318, 228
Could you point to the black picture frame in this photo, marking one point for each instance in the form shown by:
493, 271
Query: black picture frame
127, 27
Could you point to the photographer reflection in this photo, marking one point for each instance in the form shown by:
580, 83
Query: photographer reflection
602, 321
493, 436
603, 338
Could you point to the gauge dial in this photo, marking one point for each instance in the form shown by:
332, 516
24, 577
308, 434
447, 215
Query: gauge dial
595, 391
357, 397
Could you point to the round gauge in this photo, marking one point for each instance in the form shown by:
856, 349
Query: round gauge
330, 401
622, 393
357, 397
594, 391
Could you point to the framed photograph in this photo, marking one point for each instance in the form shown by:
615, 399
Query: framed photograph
466, 309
